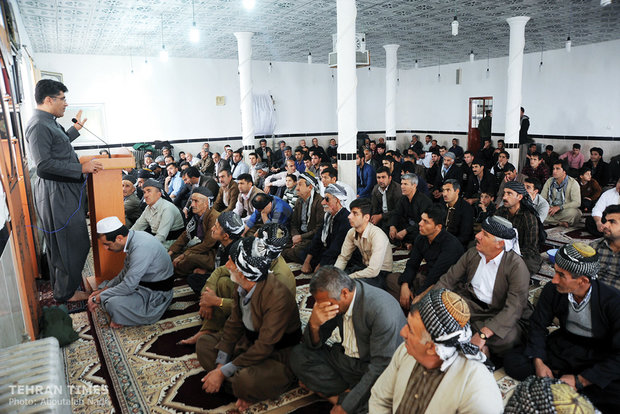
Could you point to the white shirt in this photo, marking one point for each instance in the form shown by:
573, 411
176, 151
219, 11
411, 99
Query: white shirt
349, 341
609, 197
483, 281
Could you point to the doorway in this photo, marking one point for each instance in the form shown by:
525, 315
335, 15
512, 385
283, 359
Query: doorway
477, 108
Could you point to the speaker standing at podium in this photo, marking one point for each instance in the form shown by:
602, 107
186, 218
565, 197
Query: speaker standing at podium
58, 189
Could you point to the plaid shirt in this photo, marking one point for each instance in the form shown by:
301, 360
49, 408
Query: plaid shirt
610, 264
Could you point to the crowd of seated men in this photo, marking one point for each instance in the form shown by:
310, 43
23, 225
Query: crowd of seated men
426, 339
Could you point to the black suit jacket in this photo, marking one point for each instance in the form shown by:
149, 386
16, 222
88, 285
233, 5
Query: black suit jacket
461, 224
605, 307
327, 255
453, 173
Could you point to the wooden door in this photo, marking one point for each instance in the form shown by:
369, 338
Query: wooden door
477, 108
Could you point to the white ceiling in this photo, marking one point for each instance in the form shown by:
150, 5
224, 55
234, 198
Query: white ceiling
286, 30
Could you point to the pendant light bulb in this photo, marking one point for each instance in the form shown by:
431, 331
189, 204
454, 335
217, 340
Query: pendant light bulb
249, 4
471, 56
194, 34
270, 67
416, 64
568, 44
309, 58
455, 26
163, 54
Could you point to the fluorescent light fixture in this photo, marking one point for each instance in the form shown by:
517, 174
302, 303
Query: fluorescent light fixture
455, 26
605, 3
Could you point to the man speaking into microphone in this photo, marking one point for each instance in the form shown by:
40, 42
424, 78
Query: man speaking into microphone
59, 189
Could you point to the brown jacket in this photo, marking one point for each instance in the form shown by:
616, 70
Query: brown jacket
207, 246
233, 195
275, 322
510, 293
316, 218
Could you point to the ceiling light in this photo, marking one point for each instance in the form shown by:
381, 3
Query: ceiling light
194, 33
269, 68
471, 56
455, 26
416, 64
605, 3
249, 4
309, 58
568, 44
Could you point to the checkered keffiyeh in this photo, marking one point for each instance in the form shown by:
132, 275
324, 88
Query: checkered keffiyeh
310, 178
446, 318
547, 396
271, 239
231, 223
579, 259
252, 265
499, 227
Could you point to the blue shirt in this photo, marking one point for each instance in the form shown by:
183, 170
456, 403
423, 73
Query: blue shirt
366, 180
300, 166
281, 213
175, 185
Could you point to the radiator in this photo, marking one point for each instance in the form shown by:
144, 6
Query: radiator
32, 379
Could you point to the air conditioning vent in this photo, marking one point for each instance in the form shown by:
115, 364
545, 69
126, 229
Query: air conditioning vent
362, 59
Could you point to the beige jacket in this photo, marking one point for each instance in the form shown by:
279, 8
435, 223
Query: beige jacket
467, 387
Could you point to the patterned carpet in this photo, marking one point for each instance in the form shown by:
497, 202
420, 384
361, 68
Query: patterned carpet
147, 372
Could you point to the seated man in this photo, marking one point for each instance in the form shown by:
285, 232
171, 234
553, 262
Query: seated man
517, 208
226, 230
131, 202
546, 395
563, 195
368, 320
494, 280
608, 248
510, 175
228, 193
268, 209
533, 188
594, 224
460, 215
216, 292
160, 215
307, 218
366, 177
385, 197
200, 255
278, 180
247, 192
372, 244
536, 168
193, 178
480, 181
326, 244
394, 170
237, 165
142, 291
173, 183
404, 221
585, 351
438, 248
485, 208
448, 171
251, 352
329, 175
290, 194
437, 369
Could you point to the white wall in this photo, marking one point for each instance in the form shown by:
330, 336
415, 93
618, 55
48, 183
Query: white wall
574, 93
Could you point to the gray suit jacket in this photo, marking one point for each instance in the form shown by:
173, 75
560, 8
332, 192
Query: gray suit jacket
510, 293
377, 319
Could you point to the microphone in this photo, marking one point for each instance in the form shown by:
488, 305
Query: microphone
75, 121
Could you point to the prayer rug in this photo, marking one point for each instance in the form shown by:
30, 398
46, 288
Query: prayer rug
151, 374
90, 391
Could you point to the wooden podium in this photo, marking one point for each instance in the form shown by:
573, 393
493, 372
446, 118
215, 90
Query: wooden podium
105, 199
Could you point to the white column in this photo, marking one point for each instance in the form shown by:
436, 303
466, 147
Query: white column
514, 81
391, 67
347, 92
244, 46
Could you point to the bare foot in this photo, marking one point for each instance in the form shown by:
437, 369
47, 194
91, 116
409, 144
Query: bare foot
563, 224
302, 385
192, 339
115, 325
242, 405
333, 399
78, 296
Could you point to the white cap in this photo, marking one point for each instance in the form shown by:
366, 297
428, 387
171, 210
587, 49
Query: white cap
108, 225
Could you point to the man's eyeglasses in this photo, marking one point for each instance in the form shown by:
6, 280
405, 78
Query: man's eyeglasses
64, 98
